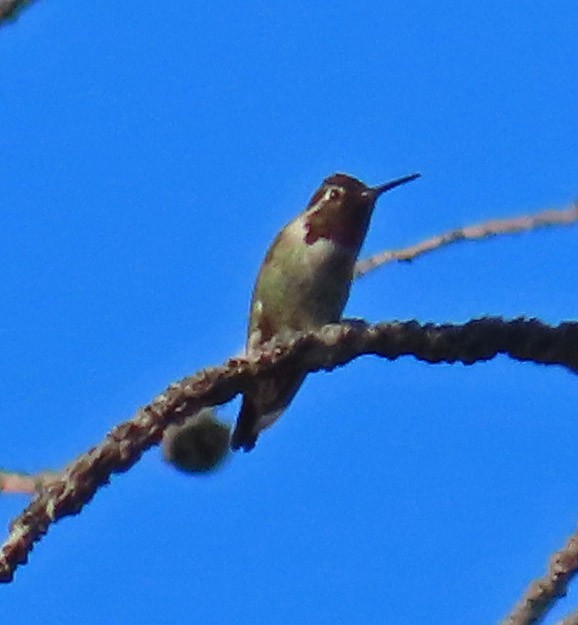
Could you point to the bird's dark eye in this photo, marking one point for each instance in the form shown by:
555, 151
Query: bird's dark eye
334, 194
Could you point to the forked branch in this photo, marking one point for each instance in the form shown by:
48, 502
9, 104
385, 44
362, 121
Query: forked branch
332, 346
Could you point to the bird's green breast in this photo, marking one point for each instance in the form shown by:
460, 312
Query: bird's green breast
300, 286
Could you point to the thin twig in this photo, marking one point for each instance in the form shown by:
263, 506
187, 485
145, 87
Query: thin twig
24, 483
553, 217
543, 592
332, 346
10, 9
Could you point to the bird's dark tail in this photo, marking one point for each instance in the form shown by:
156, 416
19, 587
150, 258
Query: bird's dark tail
244, 436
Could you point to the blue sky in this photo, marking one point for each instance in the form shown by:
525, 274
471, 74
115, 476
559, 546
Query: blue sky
147, 159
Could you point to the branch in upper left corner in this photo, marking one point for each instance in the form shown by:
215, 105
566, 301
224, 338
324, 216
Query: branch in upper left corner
10, 9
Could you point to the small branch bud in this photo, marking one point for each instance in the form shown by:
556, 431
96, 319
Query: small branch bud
199, 445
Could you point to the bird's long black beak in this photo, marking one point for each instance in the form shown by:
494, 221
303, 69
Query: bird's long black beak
393, 183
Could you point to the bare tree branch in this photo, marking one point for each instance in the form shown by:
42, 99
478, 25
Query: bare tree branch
10, 9
542, 593
553, 217
24, 483
57, 495
332, 346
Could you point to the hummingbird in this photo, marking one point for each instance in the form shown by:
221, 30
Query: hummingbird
303, 284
